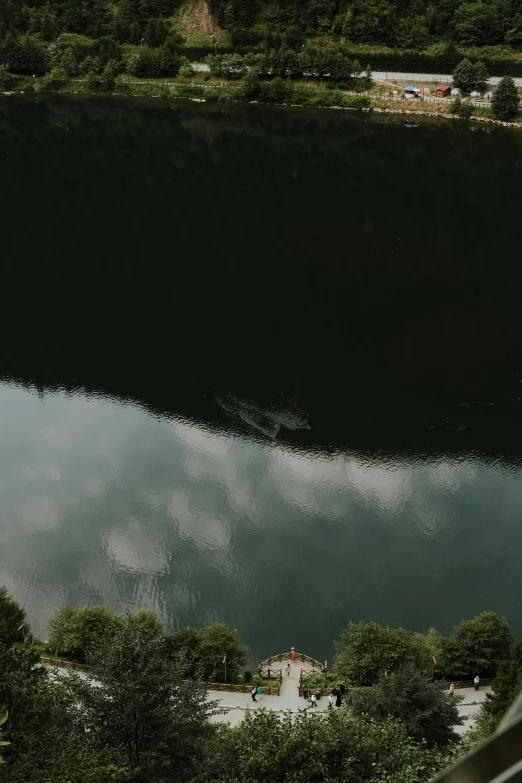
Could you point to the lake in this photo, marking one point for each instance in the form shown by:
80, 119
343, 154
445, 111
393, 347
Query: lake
259, 365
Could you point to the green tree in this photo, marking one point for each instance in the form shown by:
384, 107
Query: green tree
108, 77
477, 646
481, 77
412, 32
72, 632
463, 109
479, 24
506, 100
12, 616
186, 71
426, 708
464, 76
506, 687
365, 651
135, 703
336, 747
69, 62
201, 652
251, 85
46, 741
156, 32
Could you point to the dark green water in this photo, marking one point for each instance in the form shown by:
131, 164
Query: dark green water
259, 365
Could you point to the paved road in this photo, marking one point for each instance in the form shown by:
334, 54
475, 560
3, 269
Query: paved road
439, 78
383, 76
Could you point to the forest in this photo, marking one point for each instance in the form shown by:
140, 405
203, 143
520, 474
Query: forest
257, 25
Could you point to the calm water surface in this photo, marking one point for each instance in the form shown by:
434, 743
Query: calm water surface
259, 366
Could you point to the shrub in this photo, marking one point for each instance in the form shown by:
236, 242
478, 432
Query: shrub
7, 80
186, 70
275, 91
56, 79
356, 101
247, 676
506, 100
463, 109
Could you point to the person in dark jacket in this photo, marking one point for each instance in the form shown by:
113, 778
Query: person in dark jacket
339, 700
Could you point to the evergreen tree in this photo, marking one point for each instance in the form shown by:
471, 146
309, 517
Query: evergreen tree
464, 76
506, 100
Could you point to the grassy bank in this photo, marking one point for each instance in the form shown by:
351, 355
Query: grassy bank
278, 91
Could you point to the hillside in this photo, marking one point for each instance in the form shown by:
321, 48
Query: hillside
262, 24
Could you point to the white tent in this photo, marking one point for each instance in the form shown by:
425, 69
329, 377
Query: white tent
475, 94
455, 91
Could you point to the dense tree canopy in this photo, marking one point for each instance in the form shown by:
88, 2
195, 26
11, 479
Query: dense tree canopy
202, 651
275, 23
46, 741
135, 703
425, 707
365, 651
338, 747
477, 646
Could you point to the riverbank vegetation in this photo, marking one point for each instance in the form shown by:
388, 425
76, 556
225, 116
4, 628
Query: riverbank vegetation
141, 714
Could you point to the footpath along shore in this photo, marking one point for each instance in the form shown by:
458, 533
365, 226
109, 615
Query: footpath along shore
238, 704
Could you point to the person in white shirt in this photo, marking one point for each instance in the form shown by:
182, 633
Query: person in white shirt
330, 701
313, 699
476, 681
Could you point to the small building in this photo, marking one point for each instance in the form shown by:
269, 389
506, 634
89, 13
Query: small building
442, 91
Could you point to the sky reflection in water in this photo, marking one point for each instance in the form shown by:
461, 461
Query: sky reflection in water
103, 502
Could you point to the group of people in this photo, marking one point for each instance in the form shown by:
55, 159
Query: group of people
334, 697
255, 692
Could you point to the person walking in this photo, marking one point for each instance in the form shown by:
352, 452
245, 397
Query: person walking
253, 693
288, 668
292, 655
339, 699
313, 699
342, 688
476, 682
305, 694
330, 701
259, 691
452, 689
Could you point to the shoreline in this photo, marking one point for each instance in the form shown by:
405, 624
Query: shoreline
372, 109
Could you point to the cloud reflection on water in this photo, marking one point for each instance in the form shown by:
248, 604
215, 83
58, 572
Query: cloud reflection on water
103, 502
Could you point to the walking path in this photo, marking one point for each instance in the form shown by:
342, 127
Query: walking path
238, 704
